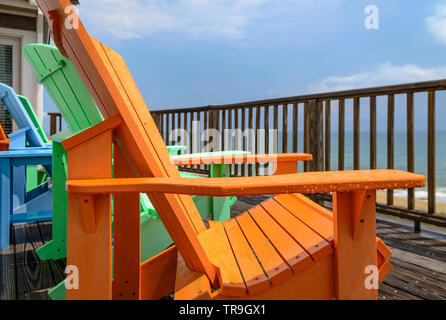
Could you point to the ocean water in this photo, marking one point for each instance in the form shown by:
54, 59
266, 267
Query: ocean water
400, 156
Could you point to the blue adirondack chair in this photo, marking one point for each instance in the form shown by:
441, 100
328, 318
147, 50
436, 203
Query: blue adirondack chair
27, 148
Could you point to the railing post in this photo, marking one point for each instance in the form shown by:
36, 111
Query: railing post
53, 122
313, 132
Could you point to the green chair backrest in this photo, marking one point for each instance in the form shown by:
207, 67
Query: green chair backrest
71, 97
64, 85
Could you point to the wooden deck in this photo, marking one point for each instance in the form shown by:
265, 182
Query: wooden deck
419, 260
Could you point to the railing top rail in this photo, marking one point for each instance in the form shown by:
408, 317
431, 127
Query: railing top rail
346, 94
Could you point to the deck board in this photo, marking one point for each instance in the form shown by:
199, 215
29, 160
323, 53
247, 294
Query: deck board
33, 275
401, 238
57, 267
8, 273
413, 277
416, 280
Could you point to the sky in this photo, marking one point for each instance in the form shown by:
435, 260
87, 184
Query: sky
187, 53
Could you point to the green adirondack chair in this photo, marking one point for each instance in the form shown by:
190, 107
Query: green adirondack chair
78, 109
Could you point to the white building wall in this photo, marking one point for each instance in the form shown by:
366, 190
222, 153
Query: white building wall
26, 83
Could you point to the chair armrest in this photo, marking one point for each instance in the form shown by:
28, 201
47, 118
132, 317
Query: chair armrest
17, 139
19, 132
213, 156
309, 182
284, 163
194, 159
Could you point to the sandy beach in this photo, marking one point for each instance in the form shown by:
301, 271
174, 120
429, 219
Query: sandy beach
420, 204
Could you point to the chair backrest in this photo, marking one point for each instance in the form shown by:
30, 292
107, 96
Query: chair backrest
111, 85
32, 115
64, 85
20, 116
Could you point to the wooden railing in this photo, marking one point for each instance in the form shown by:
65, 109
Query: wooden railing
282, 115
308, 122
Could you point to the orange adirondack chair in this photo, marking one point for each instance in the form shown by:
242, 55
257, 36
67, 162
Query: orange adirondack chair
288, 247
4, 141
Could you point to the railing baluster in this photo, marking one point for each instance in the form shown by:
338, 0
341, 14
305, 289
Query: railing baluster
295, 127
221, 118
356, 133
184, 134
250, 139
341, 135
256, 136
216, 124
372, 132
244, 141
159, 117
237, 138
191, 136
172, 126
410, 147
431, 153
306, 135
390, 141
168, 128
200, 116
267, 108
178, 126
267, 150
229, 143
206, 127
276, 129
155, 119
162, 124
285, 129
327, 135
189, 132
222, 131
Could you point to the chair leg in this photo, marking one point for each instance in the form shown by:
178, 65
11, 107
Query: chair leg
89, 246
57, 247
5, 205
221, 206
355, 246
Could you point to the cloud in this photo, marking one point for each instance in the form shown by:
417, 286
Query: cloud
130, 19
383, 74
436, 23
